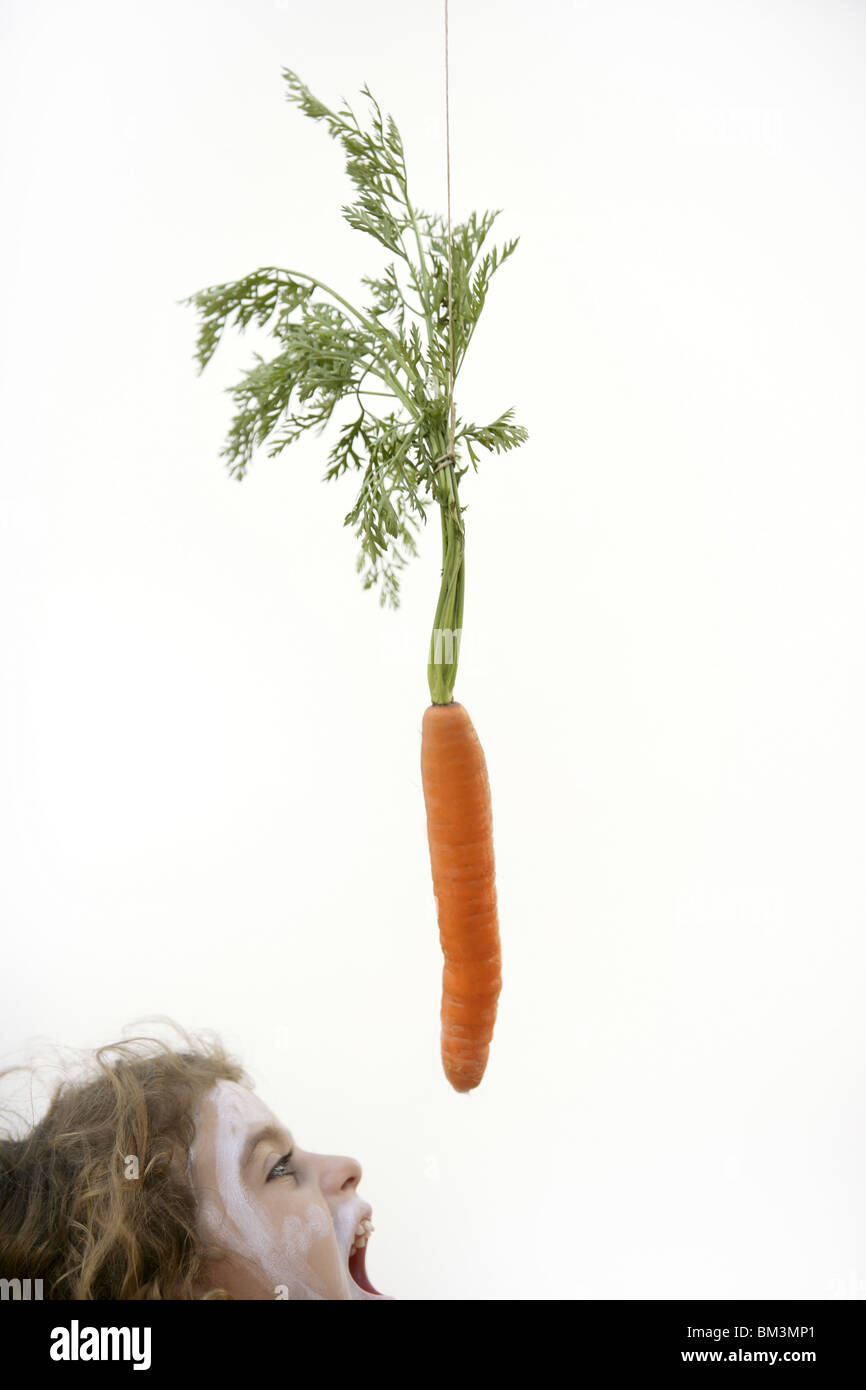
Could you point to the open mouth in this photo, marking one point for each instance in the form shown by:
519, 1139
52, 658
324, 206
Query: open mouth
358, 1260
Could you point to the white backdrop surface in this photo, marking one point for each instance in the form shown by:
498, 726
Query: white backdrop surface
211, 802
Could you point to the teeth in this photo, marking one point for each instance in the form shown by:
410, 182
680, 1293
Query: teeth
363, 1232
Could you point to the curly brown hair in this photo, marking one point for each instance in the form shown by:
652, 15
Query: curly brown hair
70, 1215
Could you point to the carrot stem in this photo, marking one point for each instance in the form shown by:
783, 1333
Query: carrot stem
448, 622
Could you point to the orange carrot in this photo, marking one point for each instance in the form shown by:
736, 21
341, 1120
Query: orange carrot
460, 832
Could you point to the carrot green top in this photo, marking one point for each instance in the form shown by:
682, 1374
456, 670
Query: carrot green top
328, 350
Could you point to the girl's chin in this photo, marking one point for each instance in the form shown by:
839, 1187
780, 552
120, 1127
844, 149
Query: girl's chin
359, 1294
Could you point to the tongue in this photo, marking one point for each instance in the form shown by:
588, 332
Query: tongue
358, 1271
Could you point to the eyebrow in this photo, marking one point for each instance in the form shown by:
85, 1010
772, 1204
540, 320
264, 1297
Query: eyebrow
261, 1136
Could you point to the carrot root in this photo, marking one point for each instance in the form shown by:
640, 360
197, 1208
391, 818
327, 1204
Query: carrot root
460, 834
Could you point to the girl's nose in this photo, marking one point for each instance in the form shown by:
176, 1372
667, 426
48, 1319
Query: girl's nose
340, 1174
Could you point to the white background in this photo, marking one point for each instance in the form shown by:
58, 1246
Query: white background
211, 802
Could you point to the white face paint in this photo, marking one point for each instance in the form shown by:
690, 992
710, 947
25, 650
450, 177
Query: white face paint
282, 1238
345, 1222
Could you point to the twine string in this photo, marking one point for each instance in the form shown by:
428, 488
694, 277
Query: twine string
449, 457
443, 461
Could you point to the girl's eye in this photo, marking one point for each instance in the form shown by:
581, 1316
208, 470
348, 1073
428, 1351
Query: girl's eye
280, 1170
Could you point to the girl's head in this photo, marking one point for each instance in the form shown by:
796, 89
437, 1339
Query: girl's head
162, 1175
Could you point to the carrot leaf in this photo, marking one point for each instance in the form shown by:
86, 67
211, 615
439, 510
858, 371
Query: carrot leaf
395, 349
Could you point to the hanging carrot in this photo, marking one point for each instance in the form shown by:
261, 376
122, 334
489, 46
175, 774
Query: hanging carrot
460, 830
330, 352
